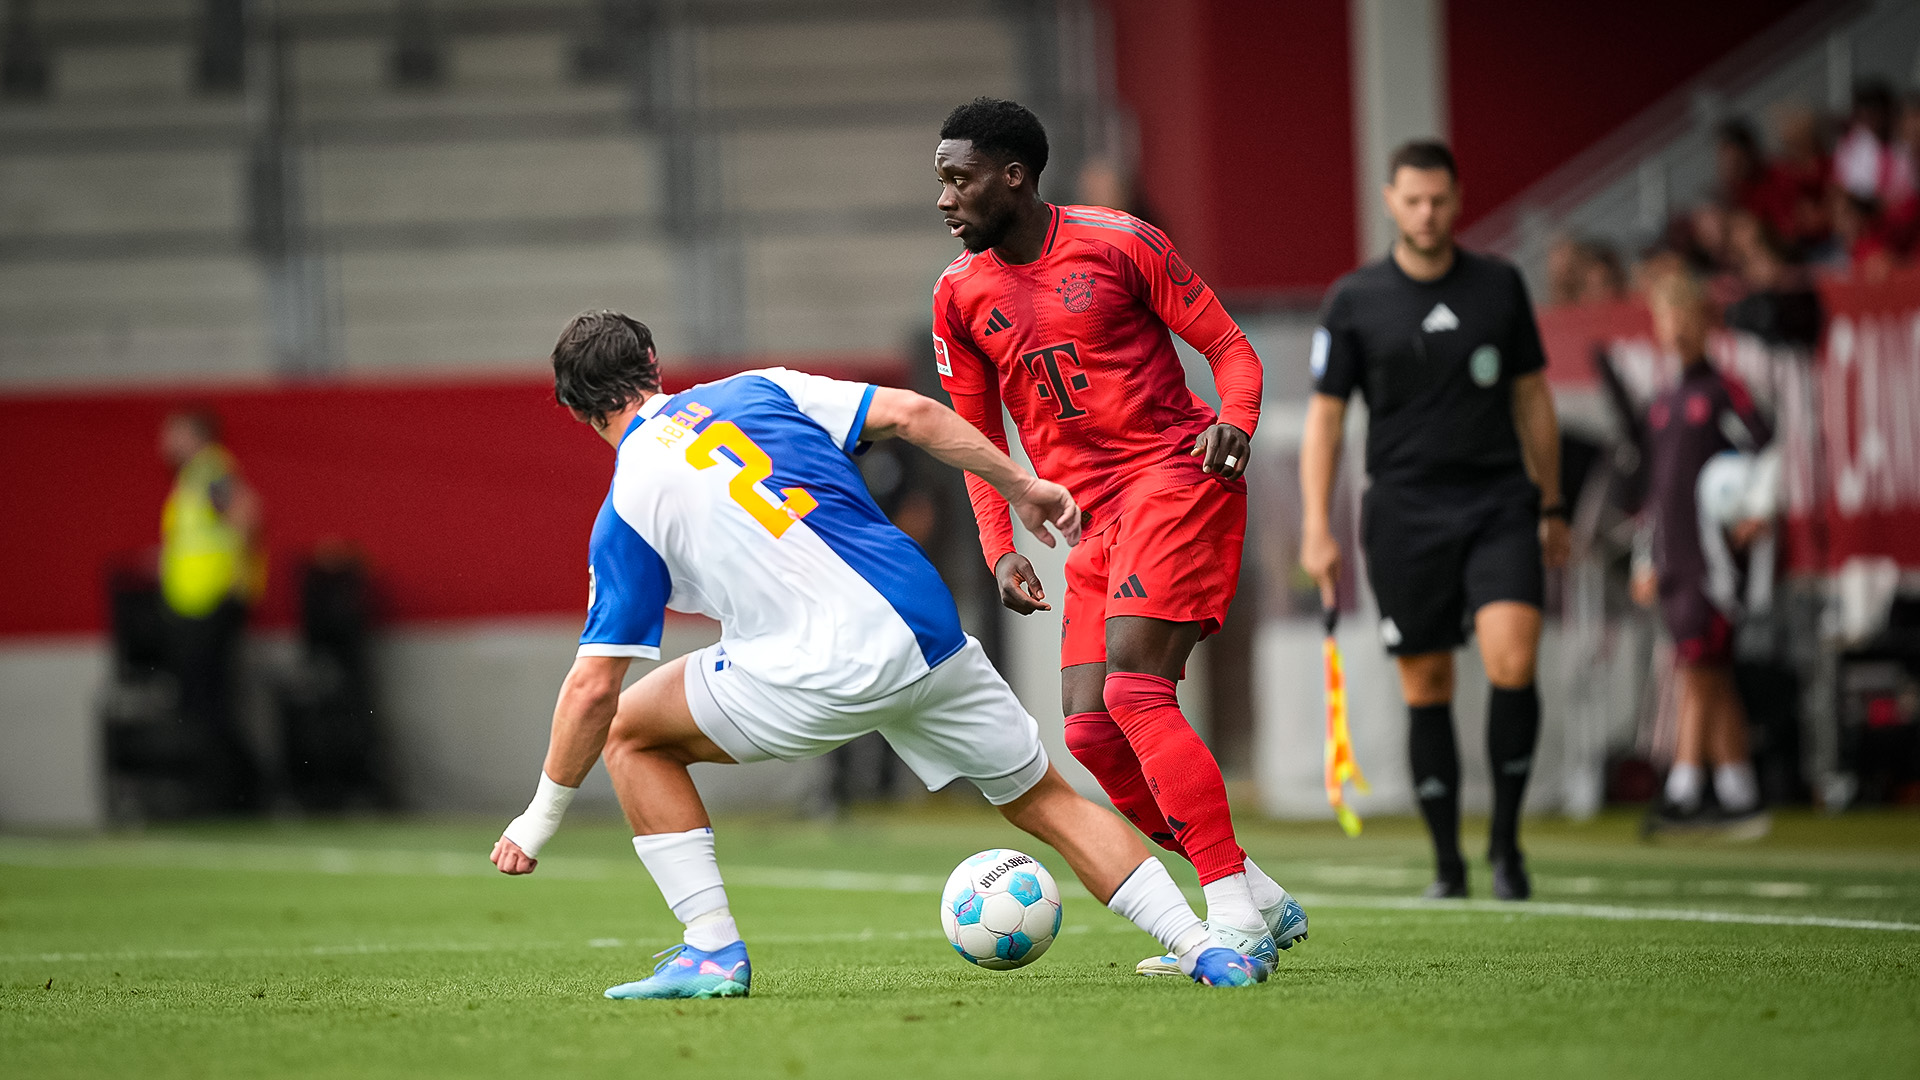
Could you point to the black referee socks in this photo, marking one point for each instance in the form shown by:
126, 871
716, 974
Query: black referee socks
1436, 782
1513, 727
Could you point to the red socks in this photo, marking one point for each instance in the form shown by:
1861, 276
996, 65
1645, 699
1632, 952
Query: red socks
1099, 744
1179, 771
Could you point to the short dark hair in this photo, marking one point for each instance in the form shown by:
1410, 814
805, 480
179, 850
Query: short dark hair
1004, 130
602, 362
1422, 154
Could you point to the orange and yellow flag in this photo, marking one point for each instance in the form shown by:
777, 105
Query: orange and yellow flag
1340, 764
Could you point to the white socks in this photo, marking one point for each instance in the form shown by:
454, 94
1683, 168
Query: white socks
1734, 784
683, 866
1739, 792
1683, 787
713, 930
1230, 903
1267, 893
1153, 902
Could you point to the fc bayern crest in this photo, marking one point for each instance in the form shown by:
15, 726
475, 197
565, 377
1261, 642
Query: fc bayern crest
1076, 291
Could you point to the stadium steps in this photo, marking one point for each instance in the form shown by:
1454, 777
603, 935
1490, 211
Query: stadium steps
461, 222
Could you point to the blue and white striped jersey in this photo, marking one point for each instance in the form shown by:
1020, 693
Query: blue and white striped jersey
739, 500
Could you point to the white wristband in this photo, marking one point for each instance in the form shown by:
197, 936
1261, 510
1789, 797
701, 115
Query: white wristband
533, 829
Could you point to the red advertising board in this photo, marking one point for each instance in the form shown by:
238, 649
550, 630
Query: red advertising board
470, 497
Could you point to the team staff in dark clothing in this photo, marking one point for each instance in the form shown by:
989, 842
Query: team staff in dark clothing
1463, 451
1691, 574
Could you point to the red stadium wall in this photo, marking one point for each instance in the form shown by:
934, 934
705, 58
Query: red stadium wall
1523, 93
1246, 135
1245, 111
470, 498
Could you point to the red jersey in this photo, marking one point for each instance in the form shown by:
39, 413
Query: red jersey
1078, 345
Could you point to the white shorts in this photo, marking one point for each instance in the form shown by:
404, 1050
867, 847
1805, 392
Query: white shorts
959, 720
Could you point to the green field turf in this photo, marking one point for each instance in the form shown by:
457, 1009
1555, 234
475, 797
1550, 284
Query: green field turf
393, 949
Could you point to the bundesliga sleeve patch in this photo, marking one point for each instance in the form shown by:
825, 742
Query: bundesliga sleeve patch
941, 363
1322, 345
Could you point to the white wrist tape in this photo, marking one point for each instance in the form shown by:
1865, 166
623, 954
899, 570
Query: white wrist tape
533, 829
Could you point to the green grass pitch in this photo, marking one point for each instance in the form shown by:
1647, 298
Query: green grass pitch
393, 949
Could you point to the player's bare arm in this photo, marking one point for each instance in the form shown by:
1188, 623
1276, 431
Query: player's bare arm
588, 700
1539, 431
949, 433
938, 430
1319, 455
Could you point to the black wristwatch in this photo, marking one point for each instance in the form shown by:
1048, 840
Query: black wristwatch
1557, 510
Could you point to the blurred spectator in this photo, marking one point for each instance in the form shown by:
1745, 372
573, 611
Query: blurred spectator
1867, 164
1778, 305
1686, 566
1584, 272
1862, 246
1903, 215
1563, 270
210, 572
1799, 176
1742, 177
1702, 238
1602, 279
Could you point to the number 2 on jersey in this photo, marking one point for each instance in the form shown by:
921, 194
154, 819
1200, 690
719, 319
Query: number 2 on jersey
755, 466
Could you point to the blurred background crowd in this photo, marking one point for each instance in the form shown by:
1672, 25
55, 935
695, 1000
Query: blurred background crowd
1803, 196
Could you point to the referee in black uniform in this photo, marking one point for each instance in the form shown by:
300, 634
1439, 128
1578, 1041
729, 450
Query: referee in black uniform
1463, 454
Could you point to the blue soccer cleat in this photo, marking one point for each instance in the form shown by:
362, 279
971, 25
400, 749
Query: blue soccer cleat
687, 972
1287, 920
1259, 948
1224, 967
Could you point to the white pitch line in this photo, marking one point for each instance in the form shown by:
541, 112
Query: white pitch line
1599, 911
172, 854
269, 858
851, 937
1376, 903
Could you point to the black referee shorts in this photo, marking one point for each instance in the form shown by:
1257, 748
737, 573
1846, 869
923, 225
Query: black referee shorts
1437, 553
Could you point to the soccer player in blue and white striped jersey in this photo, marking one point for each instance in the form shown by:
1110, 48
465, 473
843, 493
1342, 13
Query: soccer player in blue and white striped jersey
738, 499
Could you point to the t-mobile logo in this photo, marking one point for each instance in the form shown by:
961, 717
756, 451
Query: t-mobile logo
1048, 367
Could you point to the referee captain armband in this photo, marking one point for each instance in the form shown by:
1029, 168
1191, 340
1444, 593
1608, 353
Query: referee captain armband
533, 829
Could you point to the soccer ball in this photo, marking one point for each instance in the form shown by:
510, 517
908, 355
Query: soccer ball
1000, 909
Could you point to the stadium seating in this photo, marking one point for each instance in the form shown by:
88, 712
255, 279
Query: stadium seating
459, 223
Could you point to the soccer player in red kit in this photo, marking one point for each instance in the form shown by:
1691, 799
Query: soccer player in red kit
1065, 314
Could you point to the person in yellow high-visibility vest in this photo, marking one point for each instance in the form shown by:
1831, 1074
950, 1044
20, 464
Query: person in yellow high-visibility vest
210, 572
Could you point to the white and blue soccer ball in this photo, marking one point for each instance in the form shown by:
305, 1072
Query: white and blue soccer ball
1000, 909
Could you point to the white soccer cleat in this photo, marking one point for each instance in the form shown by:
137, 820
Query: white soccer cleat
1257, 947
1286, 920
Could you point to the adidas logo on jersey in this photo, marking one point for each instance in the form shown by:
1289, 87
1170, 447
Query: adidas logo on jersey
996, 322
1131, 588
1440, 318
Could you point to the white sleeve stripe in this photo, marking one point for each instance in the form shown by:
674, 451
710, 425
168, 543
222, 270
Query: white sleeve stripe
640, 652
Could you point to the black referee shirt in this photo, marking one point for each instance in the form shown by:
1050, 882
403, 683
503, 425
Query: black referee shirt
1436, 361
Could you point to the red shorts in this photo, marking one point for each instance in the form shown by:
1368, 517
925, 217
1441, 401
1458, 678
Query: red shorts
1165, 552
1712, 647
